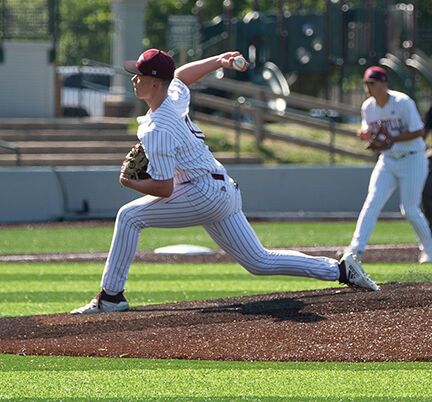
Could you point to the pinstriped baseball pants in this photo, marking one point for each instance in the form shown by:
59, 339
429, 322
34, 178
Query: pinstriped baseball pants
215, 205
410, 174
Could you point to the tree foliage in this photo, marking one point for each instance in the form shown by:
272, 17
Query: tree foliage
424, 13
86, 26
85, 31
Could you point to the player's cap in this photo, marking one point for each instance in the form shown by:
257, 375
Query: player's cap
153, 62
375, 73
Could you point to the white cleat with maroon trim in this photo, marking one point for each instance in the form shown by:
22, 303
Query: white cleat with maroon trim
352, 274
100, 305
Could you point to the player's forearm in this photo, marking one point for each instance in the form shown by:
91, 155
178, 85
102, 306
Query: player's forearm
157, 188
407, 136
194, 71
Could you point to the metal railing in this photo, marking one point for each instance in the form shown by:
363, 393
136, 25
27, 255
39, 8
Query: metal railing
249, 112
14, 148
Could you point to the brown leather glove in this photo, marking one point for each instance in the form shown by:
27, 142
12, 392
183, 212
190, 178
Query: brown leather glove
381, 140
135, 163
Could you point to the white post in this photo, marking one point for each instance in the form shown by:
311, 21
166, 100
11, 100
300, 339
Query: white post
128, 34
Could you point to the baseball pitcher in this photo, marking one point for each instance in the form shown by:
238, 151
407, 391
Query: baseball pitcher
187, 186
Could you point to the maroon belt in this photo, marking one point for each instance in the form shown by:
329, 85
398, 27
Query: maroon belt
218, 176
215, 176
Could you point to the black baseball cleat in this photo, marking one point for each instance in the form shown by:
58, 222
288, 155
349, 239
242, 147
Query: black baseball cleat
104, 303
352, 274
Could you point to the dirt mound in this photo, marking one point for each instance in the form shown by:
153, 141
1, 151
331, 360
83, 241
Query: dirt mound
394, 324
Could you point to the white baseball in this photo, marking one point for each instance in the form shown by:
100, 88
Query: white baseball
239, 63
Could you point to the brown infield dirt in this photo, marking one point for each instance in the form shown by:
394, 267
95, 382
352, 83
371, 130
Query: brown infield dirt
337, 324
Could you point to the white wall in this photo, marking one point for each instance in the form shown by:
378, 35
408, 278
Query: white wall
27, 80
47, 194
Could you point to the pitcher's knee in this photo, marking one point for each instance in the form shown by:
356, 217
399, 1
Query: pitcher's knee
126, 216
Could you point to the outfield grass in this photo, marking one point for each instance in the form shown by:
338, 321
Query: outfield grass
29, 289
130, 379
34, 239
54, 288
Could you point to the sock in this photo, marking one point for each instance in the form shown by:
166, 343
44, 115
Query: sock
117, 298
342, 273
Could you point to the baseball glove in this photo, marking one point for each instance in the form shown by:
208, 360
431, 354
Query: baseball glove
381, 140
135, 163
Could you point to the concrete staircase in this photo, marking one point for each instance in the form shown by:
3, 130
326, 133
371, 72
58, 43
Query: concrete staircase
65, 142
74, 142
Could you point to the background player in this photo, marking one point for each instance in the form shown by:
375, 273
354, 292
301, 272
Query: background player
427, 191
189, 187
403, 165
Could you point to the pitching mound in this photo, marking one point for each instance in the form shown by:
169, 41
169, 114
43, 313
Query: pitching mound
394, 324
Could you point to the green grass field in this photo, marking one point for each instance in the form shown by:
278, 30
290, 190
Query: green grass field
65, 378
29, 289
49, 288
34, 239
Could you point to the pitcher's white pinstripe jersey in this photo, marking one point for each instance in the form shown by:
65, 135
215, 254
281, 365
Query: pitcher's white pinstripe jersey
174, 144
203, 193
175, 148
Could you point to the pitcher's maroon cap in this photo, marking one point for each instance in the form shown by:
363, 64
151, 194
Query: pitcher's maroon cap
375, 73
153, 62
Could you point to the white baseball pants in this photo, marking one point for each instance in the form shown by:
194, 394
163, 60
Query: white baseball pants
216, 205
410, 174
